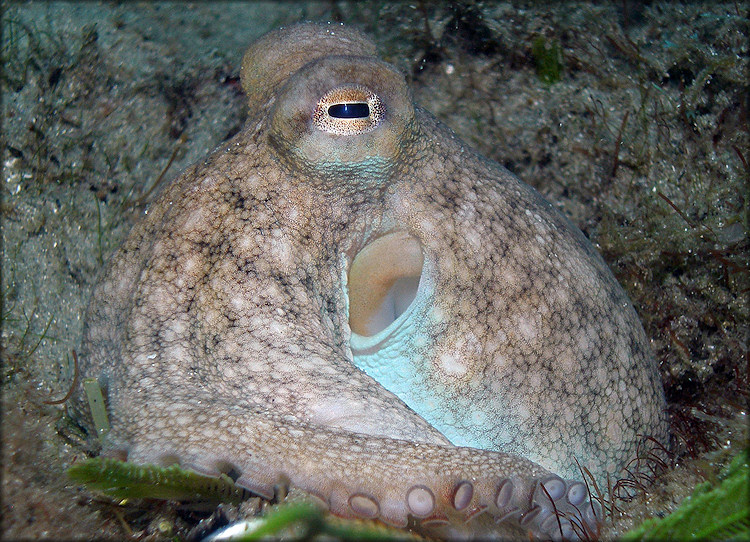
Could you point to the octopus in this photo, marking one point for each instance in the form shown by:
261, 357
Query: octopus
346, 299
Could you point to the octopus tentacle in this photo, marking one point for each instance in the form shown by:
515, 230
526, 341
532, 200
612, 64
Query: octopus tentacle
429, 482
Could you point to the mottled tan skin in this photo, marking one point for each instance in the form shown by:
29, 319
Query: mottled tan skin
220, 331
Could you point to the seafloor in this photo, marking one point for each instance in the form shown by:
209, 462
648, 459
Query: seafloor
631, 117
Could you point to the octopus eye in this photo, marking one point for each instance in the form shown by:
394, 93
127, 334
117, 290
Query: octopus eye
348, 110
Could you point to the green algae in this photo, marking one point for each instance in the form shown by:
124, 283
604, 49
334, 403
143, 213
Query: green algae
712, 512
124, 480
97, 406
306, 521
547, 59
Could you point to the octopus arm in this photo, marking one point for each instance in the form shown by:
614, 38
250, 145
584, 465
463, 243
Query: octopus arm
429, 482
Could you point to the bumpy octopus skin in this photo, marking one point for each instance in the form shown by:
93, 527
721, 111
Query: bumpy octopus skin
347, 299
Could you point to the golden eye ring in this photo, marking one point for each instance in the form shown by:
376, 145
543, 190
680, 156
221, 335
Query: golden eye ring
348, 110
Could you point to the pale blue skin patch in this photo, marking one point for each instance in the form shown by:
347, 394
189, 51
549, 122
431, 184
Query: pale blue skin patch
397, 358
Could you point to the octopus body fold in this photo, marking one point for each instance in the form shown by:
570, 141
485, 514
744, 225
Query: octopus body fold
347, 299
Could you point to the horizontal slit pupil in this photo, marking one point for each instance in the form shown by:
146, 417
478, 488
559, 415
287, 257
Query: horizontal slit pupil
349, 111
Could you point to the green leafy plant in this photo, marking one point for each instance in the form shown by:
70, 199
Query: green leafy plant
124, 480
710, 513
304, 521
